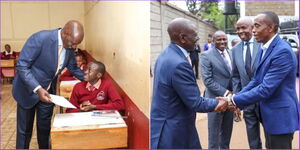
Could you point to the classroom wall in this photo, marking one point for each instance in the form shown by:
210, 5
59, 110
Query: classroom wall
118, 34
20, 19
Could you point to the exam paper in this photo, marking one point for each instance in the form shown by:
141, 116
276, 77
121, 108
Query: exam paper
72, 82
61, 101
87, 118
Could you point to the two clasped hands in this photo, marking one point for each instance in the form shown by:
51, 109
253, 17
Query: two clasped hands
227, 103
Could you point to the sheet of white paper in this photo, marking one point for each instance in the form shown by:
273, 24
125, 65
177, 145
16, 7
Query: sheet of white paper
72, 82
61, 101
87, 118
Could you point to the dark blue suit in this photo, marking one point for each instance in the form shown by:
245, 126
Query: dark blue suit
273, 86
176, 99
37, 65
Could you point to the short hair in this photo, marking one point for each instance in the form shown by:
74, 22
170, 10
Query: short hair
82, 56
272, 18
6, 45
214, 36
101, 66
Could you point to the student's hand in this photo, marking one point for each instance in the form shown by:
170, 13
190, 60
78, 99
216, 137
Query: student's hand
44, 95
87, 107
86, 103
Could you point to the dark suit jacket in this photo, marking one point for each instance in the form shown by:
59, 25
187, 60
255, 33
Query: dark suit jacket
274, 87
215, 74
37, 65
195, 54
240, 77
176, 99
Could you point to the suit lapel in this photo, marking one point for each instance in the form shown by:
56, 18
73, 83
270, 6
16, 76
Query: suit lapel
254, 53
269, 50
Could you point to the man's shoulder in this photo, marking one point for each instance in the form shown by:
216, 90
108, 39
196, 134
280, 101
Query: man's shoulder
45, 33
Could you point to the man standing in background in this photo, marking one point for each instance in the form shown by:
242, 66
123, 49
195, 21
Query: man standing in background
209, 43
195, 59
216, 76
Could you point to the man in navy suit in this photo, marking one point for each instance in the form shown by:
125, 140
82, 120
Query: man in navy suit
243, 67
176, 95
44, 55
209, 43
273, 84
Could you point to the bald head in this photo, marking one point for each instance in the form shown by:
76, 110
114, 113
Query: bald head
72, 34
178, 26
183, 32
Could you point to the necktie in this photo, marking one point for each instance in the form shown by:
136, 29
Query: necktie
248, 60
226, 61
58, 58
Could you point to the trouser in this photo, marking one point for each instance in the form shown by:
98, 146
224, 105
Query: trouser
252, 117
280, 141
25, 118
219, 129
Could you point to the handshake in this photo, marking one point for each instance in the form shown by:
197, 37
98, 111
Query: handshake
225, 103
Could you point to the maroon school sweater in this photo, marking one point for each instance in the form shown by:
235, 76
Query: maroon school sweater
105, 98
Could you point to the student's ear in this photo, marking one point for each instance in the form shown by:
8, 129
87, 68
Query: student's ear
99, 75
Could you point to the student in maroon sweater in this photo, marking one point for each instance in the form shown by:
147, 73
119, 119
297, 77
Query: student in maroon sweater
8, 53
81, 63
95, 93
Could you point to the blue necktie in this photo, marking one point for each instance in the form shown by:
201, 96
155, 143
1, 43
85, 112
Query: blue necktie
248, 61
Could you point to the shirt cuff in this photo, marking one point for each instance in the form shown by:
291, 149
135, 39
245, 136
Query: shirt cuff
226, 93
233, 100
35, 89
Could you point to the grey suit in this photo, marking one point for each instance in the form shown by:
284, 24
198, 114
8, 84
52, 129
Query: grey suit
240, 79
217, 79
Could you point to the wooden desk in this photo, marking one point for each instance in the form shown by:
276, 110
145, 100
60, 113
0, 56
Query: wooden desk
66, 88
8, 63
84, 131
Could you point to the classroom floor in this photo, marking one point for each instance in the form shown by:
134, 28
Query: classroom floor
8, 120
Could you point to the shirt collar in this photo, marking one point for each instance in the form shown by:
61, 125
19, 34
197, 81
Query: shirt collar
222, 51
266, 46
8, 53
186, 54
250, 41
60, 42
97, 85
